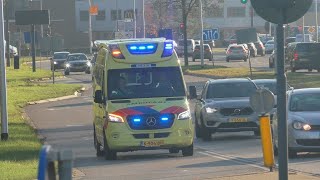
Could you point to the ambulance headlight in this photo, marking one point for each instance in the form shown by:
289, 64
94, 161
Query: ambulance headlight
115, 118
68, 65
89, 64
184, 115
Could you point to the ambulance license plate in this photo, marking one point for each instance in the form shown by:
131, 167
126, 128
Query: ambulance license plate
152, 143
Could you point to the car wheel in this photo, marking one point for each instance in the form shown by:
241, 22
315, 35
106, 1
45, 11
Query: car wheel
205, 133
275, 150
66, 73
188, 151
97, 145
193, 59
108, 154
174, 151
257, 132
292, 154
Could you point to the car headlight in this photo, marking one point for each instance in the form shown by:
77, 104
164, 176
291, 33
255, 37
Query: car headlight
55, 62
68, 65
301, 126
115, 118
89, 64
184, 115
211, 110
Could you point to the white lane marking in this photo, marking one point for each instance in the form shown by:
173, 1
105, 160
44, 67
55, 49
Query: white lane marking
74, 125
86, 138
236, 161
57, 109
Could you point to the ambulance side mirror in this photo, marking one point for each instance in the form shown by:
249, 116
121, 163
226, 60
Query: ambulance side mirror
98, 97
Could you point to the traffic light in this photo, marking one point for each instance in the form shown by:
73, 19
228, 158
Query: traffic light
181, 27
244, 1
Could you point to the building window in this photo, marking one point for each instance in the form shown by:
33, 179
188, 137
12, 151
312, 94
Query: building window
101, 15
84, 15
114, 15
236, 12
214, 12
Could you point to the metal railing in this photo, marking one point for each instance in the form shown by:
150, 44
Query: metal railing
47, 158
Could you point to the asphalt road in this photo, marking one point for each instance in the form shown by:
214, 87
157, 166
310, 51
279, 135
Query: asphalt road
68, 124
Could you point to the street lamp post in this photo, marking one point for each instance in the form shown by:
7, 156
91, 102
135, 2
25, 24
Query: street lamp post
201, 35
134, 19
90, 28
143, 20
317, 33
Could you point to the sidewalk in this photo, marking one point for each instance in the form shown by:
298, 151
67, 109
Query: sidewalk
269, 176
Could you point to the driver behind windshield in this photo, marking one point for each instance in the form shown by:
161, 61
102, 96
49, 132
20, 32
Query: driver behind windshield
121, 89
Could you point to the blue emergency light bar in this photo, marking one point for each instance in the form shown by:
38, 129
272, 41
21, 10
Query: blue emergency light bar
139, 49
168, 49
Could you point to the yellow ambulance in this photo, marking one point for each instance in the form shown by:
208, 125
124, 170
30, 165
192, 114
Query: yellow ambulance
140, 98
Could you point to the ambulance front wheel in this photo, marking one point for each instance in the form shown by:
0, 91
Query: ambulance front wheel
108, 154
188, 151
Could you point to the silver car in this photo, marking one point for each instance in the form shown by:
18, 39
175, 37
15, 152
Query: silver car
236, 52
224, 107
303, 122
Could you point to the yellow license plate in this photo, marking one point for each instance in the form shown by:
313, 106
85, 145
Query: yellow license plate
152, 143
238, 120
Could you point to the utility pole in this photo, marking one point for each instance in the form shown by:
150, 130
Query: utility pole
3, 80
134, 19
201, 35
251, 15
143, 20
90, 29
7, 33
317, 33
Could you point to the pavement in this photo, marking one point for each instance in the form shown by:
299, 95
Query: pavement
67, 124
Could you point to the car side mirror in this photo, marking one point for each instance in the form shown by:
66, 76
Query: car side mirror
98, 96
51, 58
192, 92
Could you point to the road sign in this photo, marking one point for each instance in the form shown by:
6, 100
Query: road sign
262, 101
93, 10
311, 29
210, 34
123, 35
166, 33
269, 10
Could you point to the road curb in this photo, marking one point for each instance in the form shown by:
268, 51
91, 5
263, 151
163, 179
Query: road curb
76, 94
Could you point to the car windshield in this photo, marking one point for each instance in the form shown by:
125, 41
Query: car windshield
270, 42
77, 57
60, 55
308, 47
145, 83
230, 90
236, 48
305, 102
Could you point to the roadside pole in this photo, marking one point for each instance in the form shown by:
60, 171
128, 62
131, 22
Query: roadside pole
3, 79
201, 35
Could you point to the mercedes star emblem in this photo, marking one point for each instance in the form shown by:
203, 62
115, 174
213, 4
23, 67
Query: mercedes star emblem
151, 121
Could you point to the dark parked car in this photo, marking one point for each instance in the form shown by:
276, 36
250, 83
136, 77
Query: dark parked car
305, 56
253, 49
207, 52
290, 40
58, 60
77, 62
224, 107
260, 48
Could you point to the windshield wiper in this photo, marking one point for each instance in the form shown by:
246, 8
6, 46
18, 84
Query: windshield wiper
174, 99
120, 101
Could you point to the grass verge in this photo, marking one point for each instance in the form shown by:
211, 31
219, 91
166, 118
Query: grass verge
19, 155
219, 50
297, 80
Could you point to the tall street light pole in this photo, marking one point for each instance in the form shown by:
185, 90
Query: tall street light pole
3, 80
90, 29
7, 50
317, 33
143, 20
134, 19
201, 35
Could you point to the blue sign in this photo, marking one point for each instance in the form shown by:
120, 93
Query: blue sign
166, 33
210, 34
27, 37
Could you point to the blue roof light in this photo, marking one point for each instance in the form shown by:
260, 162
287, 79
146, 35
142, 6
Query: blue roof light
139, 49
168, 49
136, 120
164, 118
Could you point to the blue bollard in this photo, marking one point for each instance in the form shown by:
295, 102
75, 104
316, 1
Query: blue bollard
43, 162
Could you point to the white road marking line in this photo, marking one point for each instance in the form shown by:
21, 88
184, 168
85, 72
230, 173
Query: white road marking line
74, 125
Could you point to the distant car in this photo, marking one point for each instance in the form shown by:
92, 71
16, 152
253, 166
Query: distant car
260, 48
236, 52
58, 60
207, 52
190, 47
246, 47
272, 59
253, 49
269, 46
77, 62
305, 56
224, 107
290, 40
303, 122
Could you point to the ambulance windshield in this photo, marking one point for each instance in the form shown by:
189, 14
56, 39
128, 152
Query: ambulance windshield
145, 83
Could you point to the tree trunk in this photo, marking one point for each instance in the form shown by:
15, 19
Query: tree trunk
184, 21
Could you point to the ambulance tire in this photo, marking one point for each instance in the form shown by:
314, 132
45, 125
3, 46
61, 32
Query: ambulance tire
198, 130
108, 154
188, 151
97, 145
